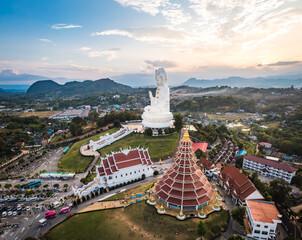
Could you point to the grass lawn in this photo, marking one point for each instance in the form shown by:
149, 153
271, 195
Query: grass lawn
41, 114
73, 161
139, 221
140, 189
159, 147
215, 222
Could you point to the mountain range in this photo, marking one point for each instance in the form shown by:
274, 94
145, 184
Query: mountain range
50, 88
260, 82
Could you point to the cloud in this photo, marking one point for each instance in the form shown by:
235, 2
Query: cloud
173, 12
280, 63
161, 63
45, 40
147, 34
44, 58
85, 48
110, 54
65, 26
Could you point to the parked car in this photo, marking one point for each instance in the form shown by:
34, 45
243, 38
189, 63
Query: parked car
27, 208
4, 214
14, 213
9, 213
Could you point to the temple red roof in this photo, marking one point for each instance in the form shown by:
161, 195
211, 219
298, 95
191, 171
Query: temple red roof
184, 184
201, 146
124, 159
238, 184
206, 164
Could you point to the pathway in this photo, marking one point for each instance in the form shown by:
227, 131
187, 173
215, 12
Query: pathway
102, 205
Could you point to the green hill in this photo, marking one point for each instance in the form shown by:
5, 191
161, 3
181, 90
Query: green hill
51, 88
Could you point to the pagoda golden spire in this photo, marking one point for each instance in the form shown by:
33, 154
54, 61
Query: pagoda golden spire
186, 137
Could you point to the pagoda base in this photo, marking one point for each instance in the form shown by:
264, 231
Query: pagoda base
151, 203
161, 211
180, 217
216, 208
202, 216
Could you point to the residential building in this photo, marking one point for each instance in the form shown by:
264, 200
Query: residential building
261, 219
269, 168
237, 185
205, 164
266, 144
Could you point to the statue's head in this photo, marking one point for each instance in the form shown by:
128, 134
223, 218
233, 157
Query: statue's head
161, 77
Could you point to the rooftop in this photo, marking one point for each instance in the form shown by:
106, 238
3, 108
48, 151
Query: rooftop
271, 163
262, 211
201, 146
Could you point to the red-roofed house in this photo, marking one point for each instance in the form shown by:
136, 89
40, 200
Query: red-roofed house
119, 168
238, 185
205, 164
269, 168
262, 218
201, 146
266, 144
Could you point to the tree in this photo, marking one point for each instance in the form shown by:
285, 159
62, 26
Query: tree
167, 131
46, 186
238, 214
18, 186
160, 131
201, 230
7, 185
74, 203
239, 161
117, 123
200, 154
280, 191
93, 116
148, 132
178, 121
56, 185
37, 186
235, 237
65, 185
143, 176
155, 173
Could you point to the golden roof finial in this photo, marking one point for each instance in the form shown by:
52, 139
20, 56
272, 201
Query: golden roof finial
161, 208
186, 137
181, 213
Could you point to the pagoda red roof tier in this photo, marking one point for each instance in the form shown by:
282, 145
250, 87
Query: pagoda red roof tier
184, 184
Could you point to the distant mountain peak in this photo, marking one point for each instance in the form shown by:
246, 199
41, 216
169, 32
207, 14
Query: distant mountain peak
75, 88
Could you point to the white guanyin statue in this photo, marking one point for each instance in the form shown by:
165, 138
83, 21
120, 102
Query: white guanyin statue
158, 115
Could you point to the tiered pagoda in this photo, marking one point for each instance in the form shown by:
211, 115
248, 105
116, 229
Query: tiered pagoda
184, 186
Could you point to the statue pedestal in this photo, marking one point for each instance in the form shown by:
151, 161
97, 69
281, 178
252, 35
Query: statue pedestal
163, 120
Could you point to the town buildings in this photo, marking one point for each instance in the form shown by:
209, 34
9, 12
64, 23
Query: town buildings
119, 168
262, 218
238, 186
269, 168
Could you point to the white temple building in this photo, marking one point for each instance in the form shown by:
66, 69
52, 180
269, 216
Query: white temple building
107, 139
119, 168
158, 115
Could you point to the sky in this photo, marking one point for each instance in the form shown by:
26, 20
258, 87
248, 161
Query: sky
127, 40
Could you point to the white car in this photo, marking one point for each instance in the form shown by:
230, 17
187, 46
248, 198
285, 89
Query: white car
19, 208
4, 214
27, 208
14, 213
9, 213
